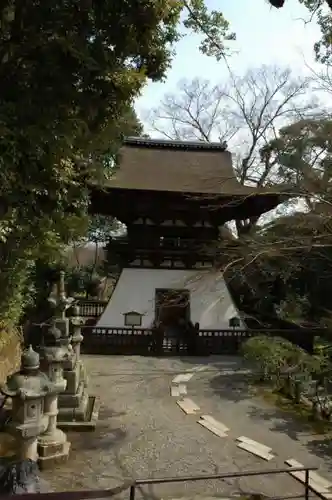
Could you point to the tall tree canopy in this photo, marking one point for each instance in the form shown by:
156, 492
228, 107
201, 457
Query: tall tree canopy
69, 72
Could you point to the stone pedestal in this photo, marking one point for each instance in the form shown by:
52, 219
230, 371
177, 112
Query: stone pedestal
28, 449
74, 401
53, 447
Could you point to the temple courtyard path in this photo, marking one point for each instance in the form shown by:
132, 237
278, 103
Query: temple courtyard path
143, 433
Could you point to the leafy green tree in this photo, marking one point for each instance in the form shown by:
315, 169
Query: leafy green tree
284, 269
69, 72
95, 230
303, 154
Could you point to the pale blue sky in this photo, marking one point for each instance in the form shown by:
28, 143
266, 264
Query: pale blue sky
264, 36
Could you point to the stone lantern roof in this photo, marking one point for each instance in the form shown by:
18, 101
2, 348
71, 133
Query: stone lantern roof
27, 385
54, 349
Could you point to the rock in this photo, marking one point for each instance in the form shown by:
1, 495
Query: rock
19, 477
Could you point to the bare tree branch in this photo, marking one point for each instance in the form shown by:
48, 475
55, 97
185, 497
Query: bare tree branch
246, 112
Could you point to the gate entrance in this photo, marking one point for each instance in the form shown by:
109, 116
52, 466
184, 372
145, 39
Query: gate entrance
173, 317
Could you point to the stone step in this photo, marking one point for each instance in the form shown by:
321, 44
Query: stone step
215, 422
67, 414
313, 475
212, 428
314, 485
182, 377
255, 450
188, 406
251, 442
178, 390
72, 400
87, 422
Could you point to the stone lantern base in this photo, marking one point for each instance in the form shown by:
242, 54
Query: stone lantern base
53, 449
77, 409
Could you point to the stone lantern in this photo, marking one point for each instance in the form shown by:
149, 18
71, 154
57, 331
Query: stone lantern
53, 446
77, 337
76, 341
27, 388
77, 410
60, 305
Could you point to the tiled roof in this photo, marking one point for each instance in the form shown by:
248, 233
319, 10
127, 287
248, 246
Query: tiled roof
177, 166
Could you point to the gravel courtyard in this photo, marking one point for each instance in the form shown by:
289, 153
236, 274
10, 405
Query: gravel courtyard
142, 433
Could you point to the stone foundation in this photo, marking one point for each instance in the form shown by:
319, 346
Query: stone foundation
53, 449
52, 460
77, 410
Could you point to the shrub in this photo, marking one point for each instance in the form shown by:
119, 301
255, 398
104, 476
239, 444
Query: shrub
291, 370
275, 360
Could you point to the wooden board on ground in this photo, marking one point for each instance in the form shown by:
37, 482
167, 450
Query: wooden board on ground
182, 377
178, 390
312, 474
215, 423
317, 483
175, 391
255, 450
212, 428
188, 406
251, 442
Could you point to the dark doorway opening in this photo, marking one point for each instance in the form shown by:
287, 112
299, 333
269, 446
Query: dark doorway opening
173, 319
172, 306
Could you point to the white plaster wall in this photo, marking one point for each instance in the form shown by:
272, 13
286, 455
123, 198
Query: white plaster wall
210, 302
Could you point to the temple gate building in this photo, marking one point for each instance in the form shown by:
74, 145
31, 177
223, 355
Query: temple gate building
173, 197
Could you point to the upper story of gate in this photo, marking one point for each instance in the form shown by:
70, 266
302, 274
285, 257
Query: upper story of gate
164, 180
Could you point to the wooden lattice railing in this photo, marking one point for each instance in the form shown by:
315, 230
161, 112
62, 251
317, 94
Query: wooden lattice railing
91, 308
126, 340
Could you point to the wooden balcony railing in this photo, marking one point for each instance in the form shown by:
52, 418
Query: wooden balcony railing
91, 308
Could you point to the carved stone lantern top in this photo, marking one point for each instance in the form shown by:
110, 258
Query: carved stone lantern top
61, 303
30, 360
29, 382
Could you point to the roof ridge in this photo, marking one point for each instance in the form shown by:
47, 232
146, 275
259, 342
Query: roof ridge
175, 144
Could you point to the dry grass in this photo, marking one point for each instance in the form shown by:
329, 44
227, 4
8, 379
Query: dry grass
7, 445
10, 352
